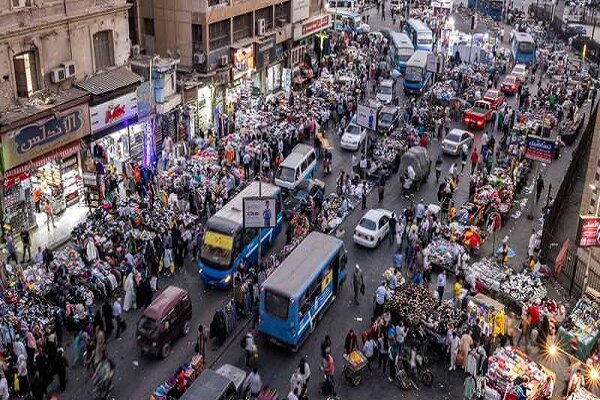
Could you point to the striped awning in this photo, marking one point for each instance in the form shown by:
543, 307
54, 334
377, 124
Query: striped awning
61, 153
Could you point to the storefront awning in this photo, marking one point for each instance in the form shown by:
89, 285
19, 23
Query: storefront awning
110, 81
62, 153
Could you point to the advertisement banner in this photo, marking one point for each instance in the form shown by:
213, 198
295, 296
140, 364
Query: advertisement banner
286, 79
300, 10
312, 25
113, 112
366, 117
50, 133
243, 61
539, 149
588, 234
260, 212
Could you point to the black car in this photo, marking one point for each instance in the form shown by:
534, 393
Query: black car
298, 197
389, 118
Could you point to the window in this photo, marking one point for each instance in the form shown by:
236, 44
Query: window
276, 304
218, 34
266, 14
311, 157
242, 27
282, 11
21, 3
304, 165
26, 74
196, 37
149, 26
103, 50
382, 222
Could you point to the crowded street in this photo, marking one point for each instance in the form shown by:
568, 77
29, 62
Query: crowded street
375, 225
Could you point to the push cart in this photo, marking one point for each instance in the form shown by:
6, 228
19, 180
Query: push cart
354, 363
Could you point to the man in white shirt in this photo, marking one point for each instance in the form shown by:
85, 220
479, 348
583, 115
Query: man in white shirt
292, 395
253, 382
381, 295
117, 311
369, 351
441, 285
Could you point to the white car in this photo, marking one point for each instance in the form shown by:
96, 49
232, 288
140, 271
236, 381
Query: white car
353, 137
372, 228
454, 141
520, 71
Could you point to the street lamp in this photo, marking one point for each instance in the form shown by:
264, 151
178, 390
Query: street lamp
593, 188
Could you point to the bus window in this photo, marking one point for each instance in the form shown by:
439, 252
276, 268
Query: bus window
309, 297
526, 47
311, 157
248, 235
304, 165
285, 174
276, 305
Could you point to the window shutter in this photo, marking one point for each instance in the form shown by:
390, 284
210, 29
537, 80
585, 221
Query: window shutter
20, 77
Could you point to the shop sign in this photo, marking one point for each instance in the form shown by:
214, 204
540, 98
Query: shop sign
260, 212
588, 234
113, 112
311, 26
221, 78
286, 79
34, 140
539, 149
218, 240
243, 61
300, 10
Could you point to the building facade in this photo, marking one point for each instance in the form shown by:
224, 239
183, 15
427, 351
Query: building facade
63, 78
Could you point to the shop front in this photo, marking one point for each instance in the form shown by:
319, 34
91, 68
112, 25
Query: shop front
239, 95
42, 165
270, 75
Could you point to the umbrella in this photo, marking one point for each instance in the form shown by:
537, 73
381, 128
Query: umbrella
511, 252
395, 74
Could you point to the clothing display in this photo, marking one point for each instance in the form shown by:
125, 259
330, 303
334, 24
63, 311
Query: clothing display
581, 328
582, 394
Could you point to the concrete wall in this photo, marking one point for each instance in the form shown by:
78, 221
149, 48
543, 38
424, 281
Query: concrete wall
58, 37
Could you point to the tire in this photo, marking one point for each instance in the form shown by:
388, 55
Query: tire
186, 328
165, 350
427, 378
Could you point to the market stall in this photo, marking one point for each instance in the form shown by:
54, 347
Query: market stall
488, 314
582, 394
581, 328
411, 304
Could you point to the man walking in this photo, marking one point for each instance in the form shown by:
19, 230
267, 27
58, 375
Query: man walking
117, 312
26, 240
539, 187
392, 231
474, 159
358, 284
441, 285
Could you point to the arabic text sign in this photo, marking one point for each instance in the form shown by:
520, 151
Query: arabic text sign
113, 111
33, 140
366, 117
588, 234
539, 149
260, 212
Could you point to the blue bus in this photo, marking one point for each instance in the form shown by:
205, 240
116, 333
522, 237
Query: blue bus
492, 8
301, 289
417, 78
420, 34
523, 48
344, 20
226, 243
403, 49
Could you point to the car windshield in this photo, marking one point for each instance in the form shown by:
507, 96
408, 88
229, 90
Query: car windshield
510, 79
526, 47
413, 74
301, 194
216, 250
353, 130
368, 224
404, 55
276, 305
385, 89
147, 325
453, 137
386, 118
286, 174
491, 95
518, 70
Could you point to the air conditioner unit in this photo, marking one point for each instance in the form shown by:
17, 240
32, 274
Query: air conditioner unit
224, 61
69, 67
261, 26
198, 58
57, 75
135, 50
281, 22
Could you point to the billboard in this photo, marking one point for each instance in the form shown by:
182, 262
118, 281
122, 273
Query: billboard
260, 212
366, 117
539, 149
588, 233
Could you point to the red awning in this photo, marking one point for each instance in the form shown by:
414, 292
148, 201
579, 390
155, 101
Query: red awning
62, 152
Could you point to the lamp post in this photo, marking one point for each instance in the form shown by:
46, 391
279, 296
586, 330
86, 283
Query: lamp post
593, 188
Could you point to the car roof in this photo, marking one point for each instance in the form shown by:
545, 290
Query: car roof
511, 76
458, 131
492, 91
375, 213
164, 302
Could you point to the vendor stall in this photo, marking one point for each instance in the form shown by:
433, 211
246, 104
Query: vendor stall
582, 394
488, 314
581, 329
410, 304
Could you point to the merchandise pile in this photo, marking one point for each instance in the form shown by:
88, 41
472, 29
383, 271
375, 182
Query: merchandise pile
523, 288
411, 304
489, 273
444, 253
446, 315
583, 326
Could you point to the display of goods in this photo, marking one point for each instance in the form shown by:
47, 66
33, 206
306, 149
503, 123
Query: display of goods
585, 317
411, 304
582, 394
523, 288
444, 316
510, 363
486, 194
444, 253
489, 273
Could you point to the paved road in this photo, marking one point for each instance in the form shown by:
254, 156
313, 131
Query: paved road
137, 376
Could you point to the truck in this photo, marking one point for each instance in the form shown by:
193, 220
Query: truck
480, 114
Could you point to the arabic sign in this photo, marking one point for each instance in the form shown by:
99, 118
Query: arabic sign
366, 117
113, 112
33, 140
539, 149
312, 25
588, 234
218, 240
260, 212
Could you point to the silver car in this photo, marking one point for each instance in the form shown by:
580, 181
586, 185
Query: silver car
454, 141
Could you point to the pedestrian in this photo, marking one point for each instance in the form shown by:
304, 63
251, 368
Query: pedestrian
329, 371
49, 214
438, 168
532, 244
383, 347
26, 241
107, 316
369, 351
249, 347
358, 284
539, 187
392, 231
474, 159
117, 312
381, 188
201, 342
4, 394
393, 359
61, 369
466, 341
454, 347
381, 295
441, 285
524, 329
12, 250
577, 381
253, 384
351, 342
363, 198
130, 292
401, 333
22, 375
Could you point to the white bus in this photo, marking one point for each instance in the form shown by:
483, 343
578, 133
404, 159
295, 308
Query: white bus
403, 49
297, 166
420, 34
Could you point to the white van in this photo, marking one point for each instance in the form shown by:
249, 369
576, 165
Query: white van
385, 92
297, 166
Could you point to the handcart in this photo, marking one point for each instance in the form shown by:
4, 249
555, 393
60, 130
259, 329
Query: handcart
354, 363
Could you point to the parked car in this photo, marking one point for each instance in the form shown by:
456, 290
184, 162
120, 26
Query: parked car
510, 85
353, 137
389, 118
298, 198
520, 71
226, 383
454, 141
372, 228
165, 319
494, 97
